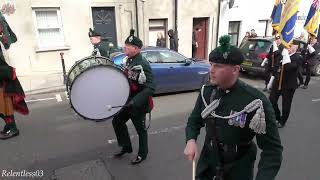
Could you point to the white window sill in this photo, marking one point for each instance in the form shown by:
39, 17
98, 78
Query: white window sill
49, 49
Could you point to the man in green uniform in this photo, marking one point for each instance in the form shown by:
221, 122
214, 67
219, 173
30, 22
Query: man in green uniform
98, 44
142, 87
233, 114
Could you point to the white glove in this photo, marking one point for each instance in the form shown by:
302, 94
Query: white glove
286, 58
275, 46
269, 86
311, 49
264, 62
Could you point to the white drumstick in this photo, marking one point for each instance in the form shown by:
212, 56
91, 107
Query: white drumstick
109, 107
193, 169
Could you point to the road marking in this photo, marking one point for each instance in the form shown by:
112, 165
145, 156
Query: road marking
315, 100
37, 100
58, 97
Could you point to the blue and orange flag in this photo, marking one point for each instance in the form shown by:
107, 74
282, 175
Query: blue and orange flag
312, 21
276, 14
288, 21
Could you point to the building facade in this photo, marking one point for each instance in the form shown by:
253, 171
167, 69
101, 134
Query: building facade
246, 15
45, 28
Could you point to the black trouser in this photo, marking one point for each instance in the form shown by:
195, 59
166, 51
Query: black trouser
267, 75
287, 95
300, 76
194, 51
138, 119
308, 74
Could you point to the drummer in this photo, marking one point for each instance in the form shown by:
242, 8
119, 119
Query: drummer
142, 87
96, 41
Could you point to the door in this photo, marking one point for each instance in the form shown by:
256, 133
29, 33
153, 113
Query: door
158, 32
200, 36
104, 22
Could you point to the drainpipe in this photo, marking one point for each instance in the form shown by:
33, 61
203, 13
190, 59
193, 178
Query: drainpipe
137, 18
176, 21
218, 22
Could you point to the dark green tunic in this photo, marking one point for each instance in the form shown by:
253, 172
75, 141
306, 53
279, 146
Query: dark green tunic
235, 99
103, 48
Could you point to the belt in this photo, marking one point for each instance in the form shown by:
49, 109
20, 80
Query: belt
233, 152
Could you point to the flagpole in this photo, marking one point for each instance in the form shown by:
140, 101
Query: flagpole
281, 77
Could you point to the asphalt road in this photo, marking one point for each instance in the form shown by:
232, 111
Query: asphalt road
56, 141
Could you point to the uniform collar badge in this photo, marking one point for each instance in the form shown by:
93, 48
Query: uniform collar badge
225, 55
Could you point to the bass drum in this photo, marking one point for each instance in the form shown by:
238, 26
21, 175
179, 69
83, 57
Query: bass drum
94, 85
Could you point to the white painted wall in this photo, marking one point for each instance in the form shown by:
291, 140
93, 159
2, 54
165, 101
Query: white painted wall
38, 70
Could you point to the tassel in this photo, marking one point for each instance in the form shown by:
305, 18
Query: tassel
142, 77
131, 32
258, 122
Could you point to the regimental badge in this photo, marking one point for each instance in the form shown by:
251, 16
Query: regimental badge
238, 121
130, 38
225, 55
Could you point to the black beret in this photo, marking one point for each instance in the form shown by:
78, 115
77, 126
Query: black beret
226, 53
133, 40
93, 33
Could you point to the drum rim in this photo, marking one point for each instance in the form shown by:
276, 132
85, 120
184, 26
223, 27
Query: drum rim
103, 119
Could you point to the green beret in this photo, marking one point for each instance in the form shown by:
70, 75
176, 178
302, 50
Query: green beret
226, 53
133, 40
93, 33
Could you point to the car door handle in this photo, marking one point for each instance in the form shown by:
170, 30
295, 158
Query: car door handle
171, 68
202, 72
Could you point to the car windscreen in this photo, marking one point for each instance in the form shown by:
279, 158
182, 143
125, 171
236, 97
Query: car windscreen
258, 46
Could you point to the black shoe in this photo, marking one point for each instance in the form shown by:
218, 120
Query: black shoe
121, 153
280, 125
9, 134
137, 160
304, 87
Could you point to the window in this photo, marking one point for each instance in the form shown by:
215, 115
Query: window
234, 27
259, 46
262, 27
151, 56
158, 32
48, 27
171, 57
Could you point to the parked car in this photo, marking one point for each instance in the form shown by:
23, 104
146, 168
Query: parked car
256, 49
172, 71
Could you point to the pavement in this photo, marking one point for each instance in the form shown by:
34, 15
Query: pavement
55, 143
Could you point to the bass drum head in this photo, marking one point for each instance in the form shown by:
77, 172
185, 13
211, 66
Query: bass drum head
97, 89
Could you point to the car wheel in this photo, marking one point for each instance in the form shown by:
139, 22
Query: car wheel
316, 69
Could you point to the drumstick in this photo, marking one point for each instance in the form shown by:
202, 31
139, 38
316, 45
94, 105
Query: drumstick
109, 107
193, 169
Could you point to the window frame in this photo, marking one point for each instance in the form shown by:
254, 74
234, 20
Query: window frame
235, 33
40, 46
